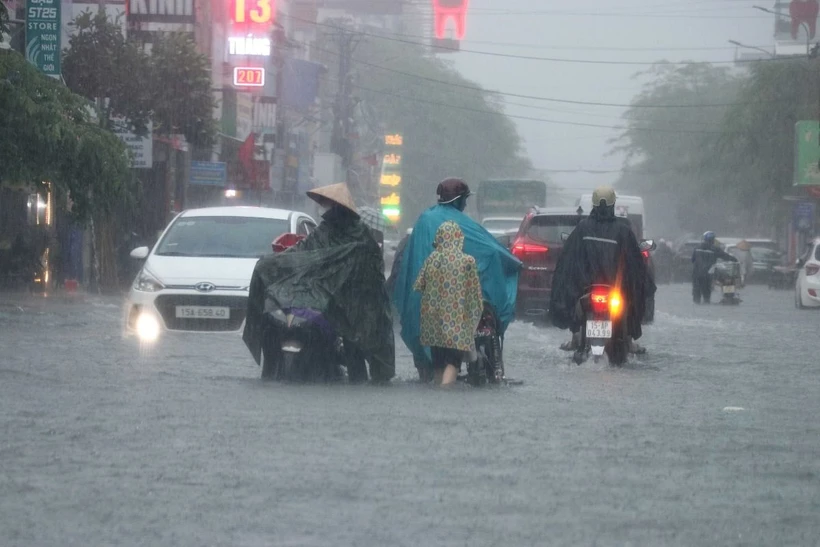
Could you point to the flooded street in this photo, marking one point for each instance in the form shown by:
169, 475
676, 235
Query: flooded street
710, 439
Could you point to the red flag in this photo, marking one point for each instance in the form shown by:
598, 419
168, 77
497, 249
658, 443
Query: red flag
246, 153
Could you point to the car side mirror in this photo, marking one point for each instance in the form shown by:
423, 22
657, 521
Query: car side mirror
648, 245
140, 253
564, 237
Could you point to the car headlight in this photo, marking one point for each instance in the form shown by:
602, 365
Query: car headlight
146, 282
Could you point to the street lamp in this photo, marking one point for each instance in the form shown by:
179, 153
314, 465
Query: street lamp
738, 44
802, 24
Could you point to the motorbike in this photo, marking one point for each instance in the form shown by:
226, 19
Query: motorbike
726, 277
604, 326
300, 345
488, 365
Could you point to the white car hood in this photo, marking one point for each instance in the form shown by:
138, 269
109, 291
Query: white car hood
183, 270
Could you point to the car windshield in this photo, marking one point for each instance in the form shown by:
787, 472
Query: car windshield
817, 252
214, 236
548, 228
501, 224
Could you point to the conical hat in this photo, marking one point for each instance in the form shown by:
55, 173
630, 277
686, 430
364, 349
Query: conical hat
337, 193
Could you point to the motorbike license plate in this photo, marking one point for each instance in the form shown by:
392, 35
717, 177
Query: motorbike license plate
203, 312
599, 329
729, 289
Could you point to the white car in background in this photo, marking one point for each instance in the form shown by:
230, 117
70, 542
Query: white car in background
502, 228
807, 288
196, 278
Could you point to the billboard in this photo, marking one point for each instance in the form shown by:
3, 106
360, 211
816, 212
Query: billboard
807, 153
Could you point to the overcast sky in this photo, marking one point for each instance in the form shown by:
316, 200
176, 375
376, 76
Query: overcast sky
605, 30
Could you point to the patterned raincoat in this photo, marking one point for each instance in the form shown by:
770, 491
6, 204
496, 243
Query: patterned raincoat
451, 299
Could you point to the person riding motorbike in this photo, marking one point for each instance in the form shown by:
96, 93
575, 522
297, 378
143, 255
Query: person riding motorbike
703, 258
601, 250
337, 269
498, 268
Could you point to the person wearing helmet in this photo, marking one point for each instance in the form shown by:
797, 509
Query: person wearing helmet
498, 268
703, 258
602, 249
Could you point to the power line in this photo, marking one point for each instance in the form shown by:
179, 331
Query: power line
534, 119
546, 99
521, 57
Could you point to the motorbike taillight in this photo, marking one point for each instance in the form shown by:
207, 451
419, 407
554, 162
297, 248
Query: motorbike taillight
600, 301
607, 301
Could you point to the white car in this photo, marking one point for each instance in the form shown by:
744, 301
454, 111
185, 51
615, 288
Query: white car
807, 288
196, 278
502, 228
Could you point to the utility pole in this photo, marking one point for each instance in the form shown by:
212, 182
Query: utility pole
341, 138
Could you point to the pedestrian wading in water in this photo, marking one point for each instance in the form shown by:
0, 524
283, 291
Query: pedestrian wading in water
451, 302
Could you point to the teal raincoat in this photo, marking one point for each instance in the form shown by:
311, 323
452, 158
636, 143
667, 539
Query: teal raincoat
498, 272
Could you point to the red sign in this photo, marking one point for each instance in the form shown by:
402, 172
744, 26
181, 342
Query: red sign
248, 76
446, 10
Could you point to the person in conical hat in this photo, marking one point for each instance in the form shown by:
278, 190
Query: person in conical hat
341, 225
334, 195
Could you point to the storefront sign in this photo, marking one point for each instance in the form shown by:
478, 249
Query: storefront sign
208, 173
44, 36
141, 148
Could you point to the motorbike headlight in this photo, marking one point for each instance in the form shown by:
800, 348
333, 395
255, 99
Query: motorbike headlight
147, 282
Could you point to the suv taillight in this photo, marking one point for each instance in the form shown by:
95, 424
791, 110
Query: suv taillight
526, 250
812, 269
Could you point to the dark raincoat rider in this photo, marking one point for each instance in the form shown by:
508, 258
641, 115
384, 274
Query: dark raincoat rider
350, 283
602, 249
703, 258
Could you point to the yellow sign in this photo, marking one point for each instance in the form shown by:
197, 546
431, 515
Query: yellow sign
391, 179
392, 199
393, 140
392, 159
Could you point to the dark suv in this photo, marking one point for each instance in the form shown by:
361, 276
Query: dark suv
538, 245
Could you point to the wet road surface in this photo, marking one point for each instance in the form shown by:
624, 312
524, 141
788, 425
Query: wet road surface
711, 439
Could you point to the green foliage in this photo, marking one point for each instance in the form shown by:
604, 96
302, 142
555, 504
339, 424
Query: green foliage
101, 65
49, 135
4, 19
447, 131
760, 133
180, 91
724, 168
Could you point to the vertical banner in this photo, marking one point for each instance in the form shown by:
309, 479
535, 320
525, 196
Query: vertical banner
44, 36
390, 180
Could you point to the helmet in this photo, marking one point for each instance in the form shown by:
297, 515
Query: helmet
709, 237
605, 193
449, 190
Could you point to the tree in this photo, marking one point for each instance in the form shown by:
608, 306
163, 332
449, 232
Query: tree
672, 147
49, 135
759, 140
448, 130
170, 88
181, 98
101, 65
4, 19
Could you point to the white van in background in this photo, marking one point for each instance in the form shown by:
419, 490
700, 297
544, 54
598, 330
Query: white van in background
630, 207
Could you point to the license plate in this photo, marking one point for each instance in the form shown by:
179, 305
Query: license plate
729, 289
599, 329
203, 312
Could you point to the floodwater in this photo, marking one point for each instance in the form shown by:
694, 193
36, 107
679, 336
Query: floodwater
710, 439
